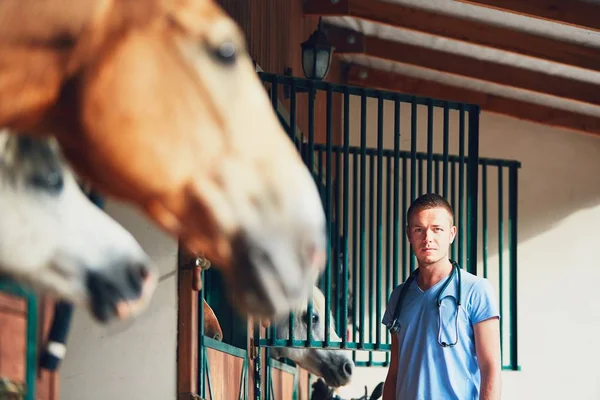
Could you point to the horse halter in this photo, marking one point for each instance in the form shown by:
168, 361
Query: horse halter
394, 325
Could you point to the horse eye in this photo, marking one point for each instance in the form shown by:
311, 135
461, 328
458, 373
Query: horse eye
315, 318
46, 170
52, 181
225, 53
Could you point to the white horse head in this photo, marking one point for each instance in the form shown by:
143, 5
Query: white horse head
53, 238
334, 366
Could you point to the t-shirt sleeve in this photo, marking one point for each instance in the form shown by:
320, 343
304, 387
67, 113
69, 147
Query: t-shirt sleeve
388, 315
483, 302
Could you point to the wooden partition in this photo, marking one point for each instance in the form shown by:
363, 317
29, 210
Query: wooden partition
226, 371
283, 381
13, 343
13, 324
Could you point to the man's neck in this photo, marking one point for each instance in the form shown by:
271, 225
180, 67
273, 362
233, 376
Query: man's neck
430, 274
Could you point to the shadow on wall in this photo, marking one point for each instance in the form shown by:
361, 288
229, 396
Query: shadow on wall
559, 170
559, 209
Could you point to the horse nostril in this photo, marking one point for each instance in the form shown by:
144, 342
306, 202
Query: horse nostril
144, 272
136, 275
348, 369
102, 295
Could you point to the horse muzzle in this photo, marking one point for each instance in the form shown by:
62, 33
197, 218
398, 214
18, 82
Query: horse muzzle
270, 278
338, 370
120, 292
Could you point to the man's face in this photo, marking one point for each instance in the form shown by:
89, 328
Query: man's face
430, 233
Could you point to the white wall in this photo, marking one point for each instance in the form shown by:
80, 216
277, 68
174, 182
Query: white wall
134, 360
559, 216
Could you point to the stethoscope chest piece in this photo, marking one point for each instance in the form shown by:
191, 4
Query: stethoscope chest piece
394, 327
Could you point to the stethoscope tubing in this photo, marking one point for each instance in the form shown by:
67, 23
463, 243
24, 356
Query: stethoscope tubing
394, 326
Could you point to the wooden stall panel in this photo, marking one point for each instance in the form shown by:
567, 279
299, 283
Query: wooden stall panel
13, 325
224, 375
283, 384
47, 381
13, 304
303, 385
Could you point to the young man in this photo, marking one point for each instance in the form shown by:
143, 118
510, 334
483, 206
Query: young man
445, 352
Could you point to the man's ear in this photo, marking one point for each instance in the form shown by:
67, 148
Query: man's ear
453, 231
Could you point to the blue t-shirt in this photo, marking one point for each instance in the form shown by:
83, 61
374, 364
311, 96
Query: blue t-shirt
426, 370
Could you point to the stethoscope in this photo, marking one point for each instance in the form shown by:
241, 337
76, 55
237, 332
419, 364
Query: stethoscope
394, 325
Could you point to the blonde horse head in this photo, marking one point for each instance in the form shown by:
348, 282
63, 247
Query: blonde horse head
157, 103
334, 366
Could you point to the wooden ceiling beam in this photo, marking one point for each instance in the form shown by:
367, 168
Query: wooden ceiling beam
347, 41
368, 77
454, 27
582, 14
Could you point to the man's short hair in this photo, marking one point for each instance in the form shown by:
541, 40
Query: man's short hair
428, 201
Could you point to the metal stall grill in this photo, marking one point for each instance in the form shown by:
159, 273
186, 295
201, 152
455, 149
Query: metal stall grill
497, 214
371, 153
388, 149
498, 242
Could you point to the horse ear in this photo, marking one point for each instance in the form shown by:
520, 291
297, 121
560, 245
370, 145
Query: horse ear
30, 82
212, 328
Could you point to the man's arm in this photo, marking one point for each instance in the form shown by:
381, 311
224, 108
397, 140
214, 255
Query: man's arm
487, 347
389, 387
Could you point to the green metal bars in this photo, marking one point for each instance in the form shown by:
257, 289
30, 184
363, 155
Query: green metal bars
389, 149
369, 167
370, 161
499, 199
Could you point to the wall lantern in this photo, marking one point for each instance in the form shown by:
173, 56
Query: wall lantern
316, 55
316, 59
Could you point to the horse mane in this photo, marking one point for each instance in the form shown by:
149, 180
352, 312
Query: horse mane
318, 300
